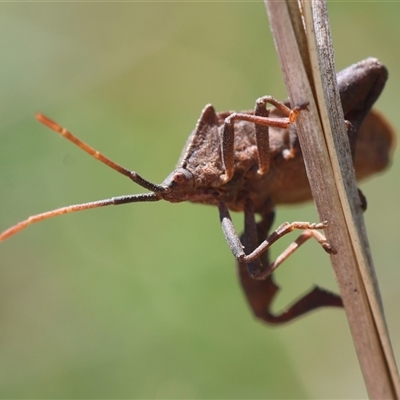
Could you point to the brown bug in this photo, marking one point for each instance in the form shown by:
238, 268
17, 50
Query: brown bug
251, 161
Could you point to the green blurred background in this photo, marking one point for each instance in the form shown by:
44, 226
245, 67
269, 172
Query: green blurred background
141, 301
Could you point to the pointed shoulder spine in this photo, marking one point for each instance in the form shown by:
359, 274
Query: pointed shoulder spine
208, 118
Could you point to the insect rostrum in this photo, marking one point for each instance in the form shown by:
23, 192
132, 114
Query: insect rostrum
250, 162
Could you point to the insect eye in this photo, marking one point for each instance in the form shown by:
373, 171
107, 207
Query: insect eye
179, 177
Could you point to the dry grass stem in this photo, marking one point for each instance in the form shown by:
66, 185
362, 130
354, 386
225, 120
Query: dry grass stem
310, 76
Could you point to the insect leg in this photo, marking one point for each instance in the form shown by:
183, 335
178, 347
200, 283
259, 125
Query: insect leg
262, 136
236, 245
262, 130
260, 294
263, 120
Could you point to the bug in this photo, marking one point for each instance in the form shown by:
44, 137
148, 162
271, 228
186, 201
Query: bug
250, 162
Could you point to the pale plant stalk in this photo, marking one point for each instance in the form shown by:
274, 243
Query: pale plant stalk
304, 47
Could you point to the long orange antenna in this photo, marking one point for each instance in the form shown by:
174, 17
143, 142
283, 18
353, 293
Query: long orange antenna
98, 156
133, 198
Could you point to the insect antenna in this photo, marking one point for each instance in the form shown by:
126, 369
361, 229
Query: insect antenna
97, 155
133, 198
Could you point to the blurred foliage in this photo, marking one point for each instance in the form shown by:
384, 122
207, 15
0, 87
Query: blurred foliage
142, 301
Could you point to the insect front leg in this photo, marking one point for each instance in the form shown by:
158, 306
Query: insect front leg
262, 131
237, 247
262, 121
260, 294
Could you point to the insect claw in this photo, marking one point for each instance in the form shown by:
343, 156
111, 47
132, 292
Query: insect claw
296, 110
328, 248
287, 154
348, 124
303, 106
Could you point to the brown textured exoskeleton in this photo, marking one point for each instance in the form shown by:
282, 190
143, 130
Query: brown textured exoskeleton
251, 161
